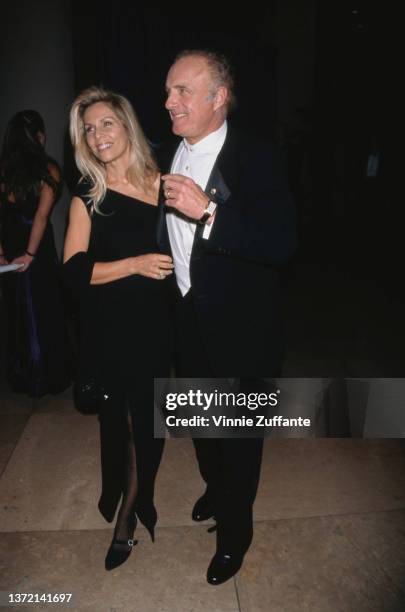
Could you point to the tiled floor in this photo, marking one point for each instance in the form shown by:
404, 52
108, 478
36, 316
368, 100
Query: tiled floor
329, 524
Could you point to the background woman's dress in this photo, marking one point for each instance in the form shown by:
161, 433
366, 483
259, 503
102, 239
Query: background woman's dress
126, 328
37, 355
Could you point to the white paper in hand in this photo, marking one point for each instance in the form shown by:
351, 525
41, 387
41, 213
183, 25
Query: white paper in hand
10, 267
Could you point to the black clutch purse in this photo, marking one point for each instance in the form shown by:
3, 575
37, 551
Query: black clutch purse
89, 395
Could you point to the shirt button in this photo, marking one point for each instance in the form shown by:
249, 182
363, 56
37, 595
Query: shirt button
187, 167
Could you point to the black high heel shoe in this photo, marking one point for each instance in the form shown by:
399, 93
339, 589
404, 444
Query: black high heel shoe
148, 519
151, 531
120, 550
107, 511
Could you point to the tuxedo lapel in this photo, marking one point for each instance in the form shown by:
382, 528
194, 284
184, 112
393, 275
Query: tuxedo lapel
217, 189
165, 155
165, 158
225, 176
161, 230
221, 181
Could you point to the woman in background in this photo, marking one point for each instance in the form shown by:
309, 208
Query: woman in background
123, 284
36, 354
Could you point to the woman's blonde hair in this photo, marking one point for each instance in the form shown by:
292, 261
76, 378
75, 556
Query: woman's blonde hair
142, 169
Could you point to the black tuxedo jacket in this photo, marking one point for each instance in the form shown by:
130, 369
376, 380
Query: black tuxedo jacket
234, 272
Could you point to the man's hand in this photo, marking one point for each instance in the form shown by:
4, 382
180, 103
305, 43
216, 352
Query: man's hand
183, 194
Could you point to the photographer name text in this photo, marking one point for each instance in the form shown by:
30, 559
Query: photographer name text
258, 420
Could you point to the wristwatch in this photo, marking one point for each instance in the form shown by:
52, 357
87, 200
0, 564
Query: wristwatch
209, 211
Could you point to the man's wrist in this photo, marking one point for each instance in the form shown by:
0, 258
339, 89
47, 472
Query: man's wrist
208, 212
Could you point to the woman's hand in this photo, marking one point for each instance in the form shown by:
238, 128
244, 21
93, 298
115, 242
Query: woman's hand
25, 259
153, 265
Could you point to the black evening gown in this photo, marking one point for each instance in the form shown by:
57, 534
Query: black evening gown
37, 348
126, 330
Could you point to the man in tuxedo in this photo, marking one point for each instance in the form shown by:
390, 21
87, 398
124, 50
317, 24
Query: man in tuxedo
227, 215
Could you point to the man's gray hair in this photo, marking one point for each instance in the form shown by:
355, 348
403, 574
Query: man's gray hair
220, 69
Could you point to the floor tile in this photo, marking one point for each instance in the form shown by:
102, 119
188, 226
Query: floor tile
309, 565
330, 476
53, 478
62, 402
168, 576
52, 475
11, 428
382, 535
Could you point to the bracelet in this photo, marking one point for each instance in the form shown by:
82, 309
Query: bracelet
30, 254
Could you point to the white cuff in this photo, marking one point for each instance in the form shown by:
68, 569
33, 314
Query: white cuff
207, 229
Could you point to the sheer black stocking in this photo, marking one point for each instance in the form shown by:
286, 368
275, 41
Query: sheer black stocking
126, 518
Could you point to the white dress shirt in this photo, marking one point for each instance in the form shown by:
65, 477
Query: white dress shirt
195, 161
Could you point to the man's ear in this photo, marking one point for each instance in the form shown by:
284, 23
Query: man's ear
221, 97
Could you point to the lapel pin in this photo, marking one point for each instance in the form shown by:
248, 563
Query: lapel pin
213, 191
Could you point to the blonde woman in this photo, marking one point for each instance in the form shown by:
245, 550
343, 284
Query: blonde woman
123, 283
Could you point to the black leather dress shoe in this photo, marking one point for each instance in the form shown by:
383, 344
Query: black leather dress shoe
223, 567
203, 509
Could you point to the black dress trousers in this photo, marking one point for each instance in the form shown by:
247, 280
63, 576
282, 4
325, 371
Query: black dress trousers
229, 466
